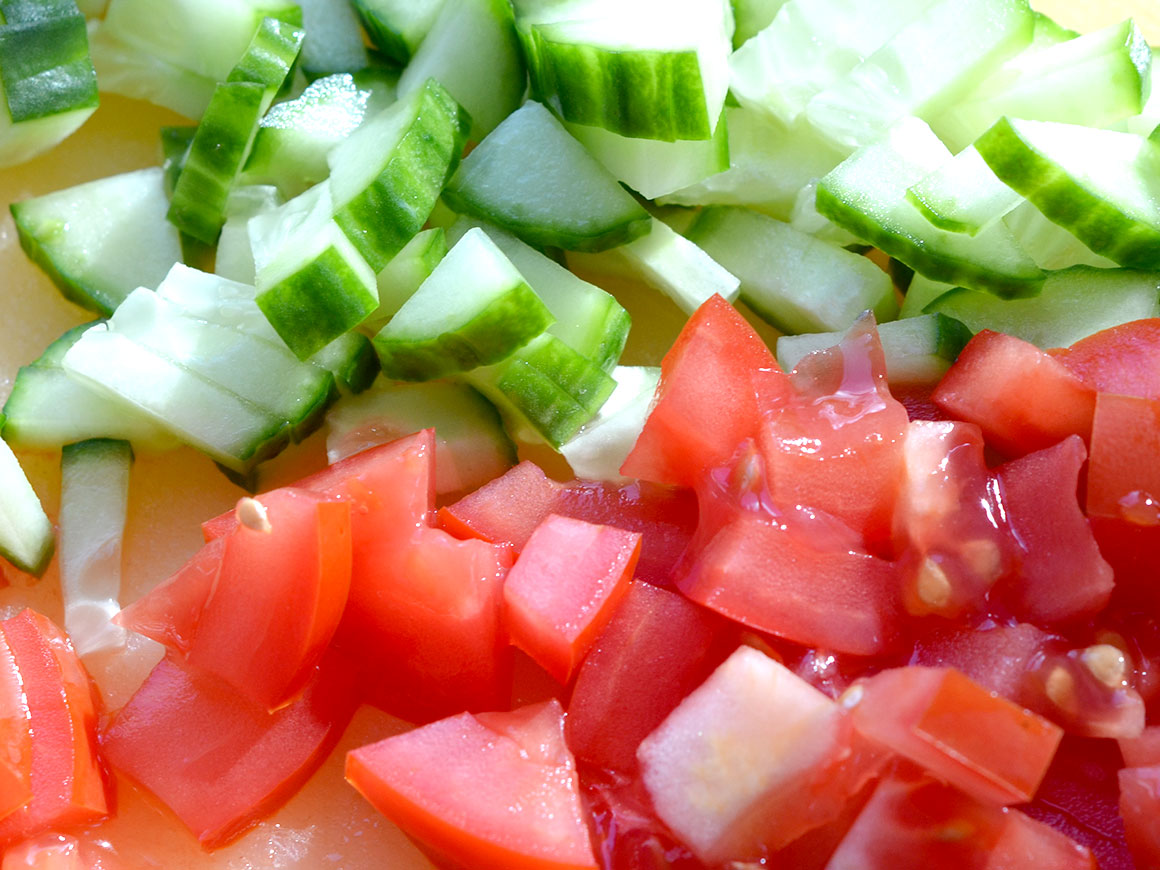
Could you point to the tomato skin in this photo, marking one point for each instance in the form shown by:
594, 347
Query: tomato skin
707, 400
15, 735
452, 784
216, 759
1140, 809
1021, 397
1123, 359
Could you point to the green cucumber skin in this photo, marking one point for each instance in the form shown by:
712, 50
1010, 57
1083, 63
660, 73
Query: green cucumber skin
93, 298
45, 66
1094, 220
391, 210
509, 322
19, 498
351, 358
272, 53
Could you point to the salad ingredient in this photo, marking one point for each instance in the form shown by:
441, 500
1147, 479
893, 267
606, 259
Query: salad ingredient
26, 534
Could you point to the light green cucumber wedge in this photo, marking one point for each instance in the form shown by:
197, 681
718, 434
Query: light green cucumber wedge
652, 69
918, 350
750, 17
334, 40
397, 27
386, 176
1100, 185
400, 278
533, 179
475, 309
26, 534
866, 194
598, 450
792, 280
100, 240
1050, 245
1074, 304
963, 195
234, 258
921, 292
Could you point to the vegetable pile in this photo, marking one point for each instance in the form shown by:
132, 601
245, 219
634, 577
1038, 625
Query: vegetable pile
881, 596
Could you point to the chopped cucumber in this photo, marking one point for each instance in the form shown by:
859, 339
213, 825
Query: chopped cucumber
334, 42
792, 280
397, 27
598, 450
474, 310
400, 278
532, 178
866, 194
26, 535
750, 17
921, 292
100, 240
235, 258
1074, 304
1049, 244
963, 195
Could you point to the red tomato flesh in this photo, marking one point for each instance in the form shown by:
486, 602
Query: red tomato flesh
1124, 359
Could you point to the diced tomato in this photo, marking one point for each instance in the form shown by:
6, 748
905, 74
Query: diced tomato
915, 822
1140, 808
566, 585
949, 524
453, 785
68, 785
1142, 751
751, 760
1086, 690
217, 760
837, 444
48, 852
658, 647
1022, 398
1062, 576
509, 508
1124, 359
996, 656
1123, 480
707, 400
626, 831
992, 749
15, 735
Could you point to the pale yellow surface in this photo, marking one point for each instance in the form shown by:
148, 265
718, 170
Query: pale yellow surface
327, 826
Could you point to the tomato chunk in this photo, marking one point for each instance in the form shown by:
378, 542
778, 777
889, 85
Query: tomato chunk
565, 587
992, 749
51, 852
452, 785
1140, 809
217, 760
15, 735
1022, 398
1123, 482
1124, 359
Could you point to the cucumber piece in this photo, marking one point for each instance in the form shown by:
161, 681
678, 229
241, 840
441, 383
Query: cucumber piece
652, 69
334, 42
235, 257
545, 391
26, 535
471, 447
533, 179
769, 164
99, 241
473, 51
400, 278
653, 168
94, 503
475, 309
588, 320
918, 350
1050, 245
1145, 123
921, 292
1097, 184
599, 449
923, 69
397, 27
387, 175
232, 431
750, 17
48, 409
223, 139
351, 358
48, 86
866, 194
781, 69
668, 262
792, 280
175, 142
1095, 80
1074, 304
124, 68
963, 195
805, 218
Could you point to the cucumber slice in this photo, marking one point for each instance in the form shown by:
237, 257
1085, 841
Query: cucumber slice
781, 69
923, 69
124, 68
334, 42
1095, 80
1074, 304
600, 448
792, 280
918, 350
48, 86
1050, 245
588, 320
669, 262
397, 27
963, 195
351, 358
652, 69
400, 278
94, 502
471, 447
1100, 185
653, 168
533, 179
175, 142
750, 17
387, 175
99, 241
921, 292
545, 391
475, 309
805, 218
235, 257
473, 51
26, 535
866, 194
1145, 123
